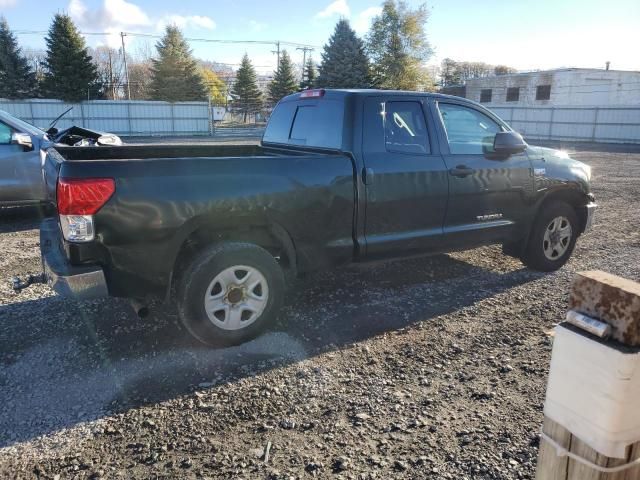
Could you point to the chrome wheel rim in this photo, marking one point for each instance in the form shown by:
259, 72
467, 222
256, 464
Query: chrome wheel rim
557, 238
236, 297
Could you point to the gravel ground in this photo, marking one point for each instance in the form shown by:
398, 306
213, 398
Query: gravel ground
428, 368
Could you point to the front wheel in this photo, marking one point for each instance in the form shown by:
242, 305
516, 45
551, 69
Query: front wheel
230, 293
553, 238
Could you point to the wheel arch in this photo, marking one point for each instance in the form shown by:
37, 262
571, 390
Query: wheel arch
264, 232
574, 197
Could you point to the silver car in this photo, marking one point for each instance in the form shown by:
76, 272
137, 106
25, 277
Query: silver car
22, 151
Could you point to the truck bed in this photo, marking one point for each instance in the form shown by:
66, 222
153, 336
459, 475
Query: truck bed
165, 193
140, 152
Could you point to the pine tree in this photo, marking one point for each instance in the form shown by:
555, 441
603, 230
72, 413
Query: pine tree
70, 73
284, 81
398, 47
175, 73
344, 61
309, 75
17, 80
246, 95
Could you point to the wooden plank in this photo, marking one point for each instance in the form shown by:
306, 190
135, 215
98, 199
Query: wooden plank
634, 473
612, 299
616, 301
550, 465
578, 471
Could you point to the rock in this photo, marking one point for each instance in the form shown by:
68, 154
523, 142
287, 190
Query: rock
287, 424
341, 463
400, 466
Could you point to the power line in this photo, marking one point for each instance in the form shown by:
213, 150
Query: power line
190, 39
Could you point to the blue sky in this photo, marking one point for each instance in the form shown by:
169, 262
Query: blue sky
524, 34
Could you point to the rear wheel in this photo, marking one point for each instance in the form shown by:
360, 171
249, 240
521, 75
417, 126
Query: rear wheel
553, 238
229, 293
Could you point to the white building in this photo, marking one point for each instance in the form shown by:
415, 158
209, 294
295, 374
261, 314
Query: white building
560, 87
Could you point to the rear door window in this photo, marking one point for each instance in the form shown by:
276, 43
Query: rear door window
405, 128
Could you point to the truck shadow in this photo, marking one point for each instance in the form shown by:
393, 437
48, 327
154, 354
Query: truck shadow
18, 219
64, 363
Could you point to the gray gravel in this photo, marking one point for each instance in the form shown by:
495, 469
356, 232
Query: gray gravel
428, 368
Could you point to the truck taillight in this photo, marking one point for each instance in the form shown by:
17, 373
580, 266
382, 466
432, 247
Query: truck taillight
78, 200
312, 93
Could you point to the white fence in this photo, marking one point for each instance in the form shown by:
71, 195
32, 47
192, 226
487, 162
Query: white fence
120, 117
581, 124
591, 124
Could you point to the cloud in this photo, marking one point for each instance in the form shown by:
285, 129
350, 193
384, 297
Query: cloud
113, 17
181, 21
338, 7
7, 3
112, 13
363, 21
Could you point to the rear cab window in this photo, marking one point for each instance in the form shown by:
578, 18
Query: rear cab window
312, 122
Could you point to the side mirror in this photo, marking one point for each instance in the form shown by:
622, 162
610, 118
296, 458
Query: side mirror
22, 139
508, 143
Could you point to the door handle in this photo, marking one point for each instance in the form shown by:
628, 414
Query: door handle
367, 176
461, 171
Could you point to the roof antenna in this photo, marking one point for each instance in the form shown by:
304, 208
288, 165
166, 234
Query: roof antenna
607, 65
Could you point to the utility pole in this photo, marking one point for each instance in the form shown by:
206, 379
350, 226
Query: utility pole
277, 51
112, 87
304, 58
126, 69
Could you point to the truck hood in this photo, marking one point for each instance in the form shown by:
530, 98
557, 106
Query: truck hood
558, 165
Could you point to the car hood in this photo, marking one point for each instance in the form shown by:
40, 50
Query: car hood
559, 165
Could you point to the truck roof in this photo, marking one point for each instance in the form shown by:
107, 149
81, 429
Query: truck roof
336, 92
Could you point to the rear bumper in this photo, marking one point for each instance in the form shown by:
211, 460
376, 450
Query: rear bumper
78, 282
591, 210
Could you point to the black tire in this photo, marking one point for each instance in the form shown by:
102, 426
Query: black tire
534, 256
204, 268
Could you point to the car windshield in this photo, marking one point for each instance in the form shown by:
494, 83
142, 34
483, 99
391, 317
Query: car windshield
26, 127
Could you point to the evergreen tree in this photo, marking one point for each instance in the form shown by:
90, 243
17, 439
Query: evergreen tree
308, 75
71, 73
284, 80
344, 61
175, 73
17, 80
246, 95
398, 47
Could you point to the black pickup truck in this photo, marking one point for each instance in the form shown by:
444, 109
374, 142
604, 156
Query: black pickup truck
340, 176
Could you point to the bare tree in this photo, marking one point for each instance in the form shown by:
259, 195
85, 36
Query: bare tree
140, 72
110, 71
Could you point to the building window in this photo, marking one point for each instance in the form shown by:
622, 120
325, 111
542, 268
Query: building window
513, 94
543, 92
485, 95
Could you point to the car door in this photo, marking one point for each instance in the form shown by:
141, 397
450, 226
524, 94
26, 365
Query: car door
406, 180
20, 170
488, 193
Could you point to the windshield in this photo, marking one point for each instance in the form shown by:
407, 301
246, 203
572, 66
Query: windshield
21, 125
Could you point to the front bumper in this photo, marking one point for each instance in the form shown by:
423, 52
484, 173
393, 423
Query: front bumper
591, 210
78, 282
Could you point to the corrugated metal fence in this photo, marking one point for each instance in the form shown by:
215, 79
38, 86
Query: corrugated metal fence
141, 118
120, 117
582, 124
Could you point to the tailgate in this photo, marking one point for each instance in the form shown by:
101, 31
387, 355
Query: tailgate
51, 169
